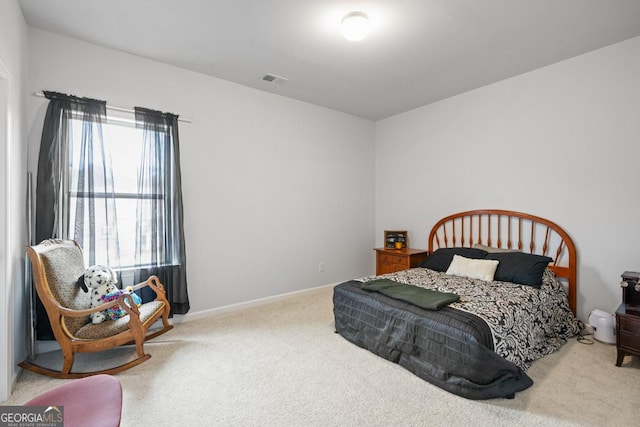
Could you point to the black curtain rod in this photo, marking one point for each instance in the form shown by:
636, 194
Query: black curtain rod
125, 110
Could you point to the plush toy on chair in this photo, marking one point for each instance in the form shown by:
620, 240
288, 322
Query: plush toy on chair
102, 280
116, 311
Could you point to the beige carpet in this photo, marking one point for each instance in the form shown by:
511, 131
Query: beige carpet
281, 364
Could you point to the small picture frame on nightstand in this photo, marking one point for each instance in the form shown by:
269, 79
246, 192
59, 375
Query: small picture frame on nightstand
394, 239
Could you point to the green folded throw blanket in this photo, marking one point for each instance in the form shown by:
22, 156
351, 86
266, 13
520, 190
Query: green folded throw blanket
425, 298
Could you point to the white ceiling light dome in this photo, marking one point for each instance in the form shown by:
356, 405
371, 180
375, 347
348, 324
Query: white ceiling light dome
355, 26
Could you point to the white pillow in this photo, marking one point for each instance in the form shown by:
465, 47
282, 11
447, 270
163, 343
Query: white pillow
482, 269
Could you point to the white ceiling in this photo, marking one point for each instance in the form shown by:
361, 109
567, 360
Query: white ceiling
418, 51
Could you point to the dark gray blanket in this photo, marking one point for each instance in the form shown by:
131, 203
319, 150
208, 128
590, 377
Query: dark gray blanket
449, 348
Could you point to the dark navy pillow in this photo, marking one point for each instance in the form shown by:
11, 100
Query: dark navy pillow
440, 259
520, 267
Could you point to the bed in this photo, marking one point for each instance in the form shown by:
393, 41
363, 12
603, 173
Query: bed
510, 282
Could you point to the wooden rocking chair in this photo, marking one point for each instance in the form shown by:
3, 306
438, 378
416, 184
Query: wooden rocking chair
57, 265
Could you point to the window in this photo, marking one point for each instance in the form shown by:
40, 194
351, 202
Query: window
124, 145
114, 186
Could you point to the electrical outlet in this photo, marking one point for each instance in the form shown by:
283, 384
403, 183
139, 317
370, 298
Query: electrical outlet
321, 266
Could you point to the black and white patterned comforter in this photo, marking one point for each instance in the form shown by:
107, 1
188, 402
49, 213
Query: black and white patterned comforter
526, 323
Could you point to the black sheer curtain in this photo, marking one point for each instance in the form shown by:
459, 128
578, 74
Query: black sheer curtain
81, 205
160, 245
76, 199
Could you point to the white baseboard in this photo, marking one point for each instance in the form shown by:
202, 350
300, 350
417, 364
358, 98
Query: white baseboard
242, 305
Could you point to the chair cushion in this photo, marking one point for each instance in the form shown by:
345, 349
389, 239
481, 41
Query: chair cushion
109, 328
63, 265
72, 396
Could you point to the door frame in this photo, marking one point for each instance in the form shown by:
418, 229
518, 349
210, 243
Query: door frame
6, 312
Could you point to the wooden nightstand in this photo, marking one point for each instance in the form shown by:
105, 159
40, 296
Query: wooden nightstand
391, 260
627, 331
628, 317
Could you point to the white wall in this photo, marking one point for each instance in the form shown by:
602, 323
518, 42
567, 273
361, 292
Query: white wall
561, 142
13, 155
272, 186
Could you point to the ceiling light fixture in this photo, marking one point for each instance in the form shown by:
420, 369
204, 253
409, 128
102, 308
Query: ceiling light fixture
355, 26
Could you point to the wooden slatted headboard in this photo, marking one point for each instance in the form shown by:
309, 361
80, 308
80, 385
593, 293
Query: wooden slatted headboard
511, 230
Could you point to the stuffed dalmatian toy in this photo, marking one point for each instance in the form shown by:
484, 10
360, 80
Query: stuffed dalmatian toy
102, 280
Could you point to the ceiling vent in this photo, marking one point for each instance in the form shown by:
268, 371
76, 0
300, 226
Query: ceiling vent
272, 78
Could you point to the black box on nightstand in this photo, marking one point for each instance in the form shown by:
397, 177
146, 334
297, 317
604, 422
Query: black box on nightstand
631, 288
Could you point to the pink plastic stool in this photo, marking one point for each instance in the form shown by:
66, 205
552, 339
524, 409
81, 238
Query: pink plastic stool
80, 410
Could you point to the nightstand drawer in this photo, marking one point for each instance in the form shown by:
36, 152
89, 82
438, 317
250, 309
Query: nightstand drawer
629, 324
627, 332
630, 341
393, 259
389, 268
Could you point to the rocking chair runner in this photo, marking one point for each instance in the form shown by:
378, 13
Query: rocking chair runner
57, 265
